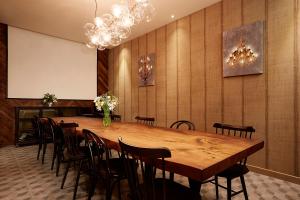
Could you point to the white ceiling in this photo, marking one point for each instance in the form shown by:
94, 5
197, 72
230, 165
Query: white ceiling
66, 18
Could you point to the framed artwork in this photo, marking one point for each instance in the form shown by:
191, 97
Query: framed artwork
146, 69
243, 50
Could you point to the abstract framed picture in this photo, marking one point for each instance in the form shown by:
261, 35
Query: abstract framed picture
243, 50
146, 70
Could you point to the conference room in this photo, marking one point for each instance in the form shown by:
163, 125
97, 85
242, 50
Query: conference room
150, 99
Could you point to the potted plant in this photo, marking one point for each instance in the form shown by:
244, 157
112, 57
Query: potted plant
49, 99
106, 102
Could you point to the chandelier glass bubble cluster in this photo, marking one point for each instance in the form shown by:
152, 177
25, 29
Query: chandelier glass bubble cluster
111, 28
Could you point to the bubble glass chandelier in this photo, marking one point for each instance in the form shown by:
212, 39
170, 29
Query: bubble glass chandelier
110, 29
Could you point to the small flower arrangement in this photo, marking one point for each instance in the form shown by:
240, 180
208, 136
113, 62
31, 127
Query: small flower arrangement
49, 99
106, 102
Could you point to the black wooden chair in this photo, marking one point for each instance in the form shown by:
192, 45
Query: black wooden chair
102, 166
46, 136
239, 169
74, 153
38, 133
176, 125
115, 117
147, 187
181, 123
145, 120
59, 131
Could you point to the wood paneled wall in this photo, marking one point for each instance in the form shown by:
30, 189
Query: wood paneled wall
189, 83
7, 106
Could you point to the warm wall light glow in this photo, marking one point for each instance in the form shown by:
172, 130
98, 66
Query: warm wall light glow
172, 16
241, 55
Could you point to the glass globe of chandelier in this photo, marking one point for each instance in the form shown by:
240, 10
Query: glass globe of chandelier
111, 28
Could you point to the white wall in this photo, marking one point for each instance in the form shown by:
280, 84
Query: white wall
38, 64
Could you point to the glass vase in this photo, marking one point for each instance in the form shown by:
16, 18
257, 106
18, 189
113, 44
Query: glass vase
106, 118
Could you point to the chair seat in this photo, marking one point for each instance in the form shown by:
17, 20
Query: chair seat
235, 171
173, 190
116, 166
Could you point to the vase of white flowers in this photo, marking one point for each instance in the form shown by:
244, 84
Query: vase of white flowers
49, 99
106, 103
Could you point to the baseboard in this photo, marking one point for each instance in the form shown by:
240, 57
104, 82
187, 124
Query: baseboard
282, 176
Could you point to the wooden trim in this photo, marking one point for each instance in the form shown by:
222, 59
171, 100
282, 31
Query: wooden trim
282, 176
243, 77
266, 84
205, 72
6, 64
296, 80
222, 78
177, 96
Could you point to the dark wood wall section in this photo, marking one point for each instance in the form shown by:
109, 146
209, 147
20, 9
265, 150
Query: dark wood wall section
7, 106
102, 72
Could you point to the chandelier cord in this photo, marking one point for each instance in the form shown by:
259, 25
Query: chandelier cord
96, 8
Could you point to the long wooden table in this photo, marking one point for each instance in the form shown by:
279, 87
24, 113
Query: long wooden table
195, 154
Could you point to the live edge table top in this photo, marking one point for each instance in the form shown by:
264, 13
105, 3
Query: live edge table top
195, 154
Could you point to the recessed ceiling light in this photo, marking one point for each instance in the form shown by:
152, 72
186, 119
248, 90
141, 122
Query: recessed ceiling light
172, 16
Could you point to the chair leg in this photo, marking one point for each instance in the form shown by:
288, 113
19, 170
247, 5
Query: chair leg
172, 176
65, 175
58, 163
44, 151
217, 187
93, 186
77, 180
119, 189
39, 150
244, 187
109, 189
228, 189
54, 156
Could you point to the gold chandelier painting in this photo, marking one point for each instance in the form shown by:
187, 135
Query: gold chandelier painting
146, 70
243, 50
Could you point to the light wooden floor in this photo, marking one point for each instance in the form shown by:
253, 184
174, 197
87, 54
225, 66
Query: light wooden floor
22, 177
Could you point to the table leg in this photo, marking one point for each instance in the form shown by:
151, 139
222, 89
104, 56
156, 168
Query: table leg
195, 185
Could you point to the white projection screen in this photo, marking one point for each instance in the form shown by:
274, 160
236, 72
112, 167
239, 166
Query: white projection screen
38, 64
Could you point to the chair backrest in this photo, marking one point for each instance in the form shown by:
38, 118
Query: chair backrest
145, 120
98, 151
181, 123
241, 131
115, 117
66, 135
233, 130
148, 159
36, 124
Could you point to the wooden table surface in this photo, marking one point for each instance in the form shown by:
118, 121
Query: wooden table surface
195, 154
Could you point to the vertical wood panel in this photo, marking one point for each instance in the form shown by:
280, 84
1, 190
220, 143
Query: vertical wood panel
297, 155
127, 75
184, 69
161, 76
233, 86
151, 90
269, 101
134, 79
254, 86
281, 86
116, 74
213, 66
198, 70
142, 90
171, 73
121, 80
111, 71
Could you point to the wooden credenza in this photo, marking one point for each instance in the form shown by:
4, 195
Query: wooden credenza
24, 132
